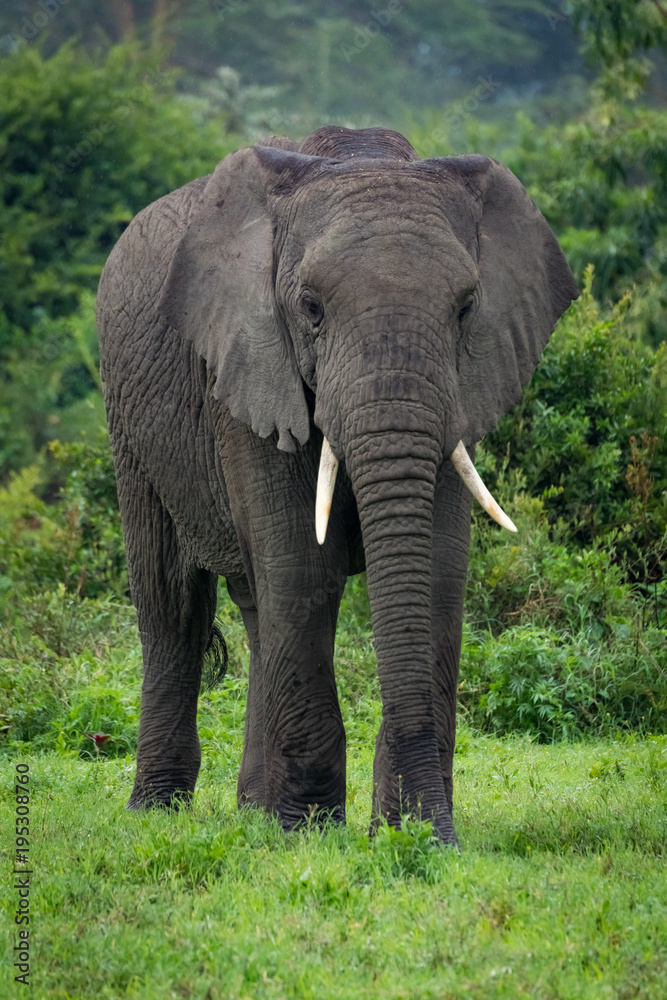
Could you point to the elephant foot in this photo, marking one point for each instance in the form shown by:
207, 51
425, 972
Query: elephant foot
292, 816
316, 816
161, 792
250, 790
394, 797
175, 802
439, 817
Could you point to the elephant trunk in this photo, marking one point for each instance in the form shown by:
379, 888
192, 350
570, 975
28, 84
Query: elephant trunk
387, 403
326, 482
395, 493
390, 431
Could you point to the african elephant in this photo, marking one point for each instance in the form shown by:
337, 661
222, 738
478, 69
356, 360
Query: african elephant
343, 299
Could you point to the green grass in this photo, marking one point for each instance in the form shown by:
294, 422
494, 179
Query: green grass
559, 891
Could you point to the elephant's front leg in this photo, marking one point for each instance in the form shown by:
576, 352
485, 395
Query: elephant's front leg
451, 537
304, 738
294, 721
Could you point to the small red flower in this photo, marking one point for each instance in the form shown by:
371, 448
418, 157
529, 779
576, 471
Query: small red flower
98, 738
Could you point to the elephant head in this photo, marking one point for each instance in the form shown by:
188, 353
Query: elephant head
413, 298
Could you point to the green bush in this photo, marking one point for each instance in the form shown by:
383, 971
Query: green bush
75, 542
601, 182
68, 666
556, 686
589, 439
86, 143
52, 381
536, 578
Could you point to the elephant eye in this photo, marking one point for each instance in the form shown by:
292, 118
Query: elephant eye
466, 308
312, 307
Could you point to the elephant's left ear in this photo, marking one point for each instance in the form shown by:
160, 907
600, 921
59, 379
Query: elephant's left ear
525, 286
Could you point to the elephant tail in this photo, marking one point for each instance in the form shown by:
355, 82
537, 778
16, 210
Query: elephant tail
216, 658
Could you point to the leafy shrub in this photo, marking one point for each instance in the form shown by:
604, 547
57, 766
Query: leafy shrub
51, 379
102, 709
536, 577
89, 496
573, 607
28, 705
34, 547
86, 142
556, 686
601, 182
74, 543
589, 439
69, 666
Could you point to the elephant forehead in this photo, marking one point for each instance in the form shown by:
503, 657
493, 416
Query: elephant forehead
399, 254
370, 196
388, 223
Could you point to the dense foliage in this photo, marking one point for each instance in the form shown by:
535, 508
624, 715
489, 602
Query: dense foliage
602, 183
588, 439
83, 143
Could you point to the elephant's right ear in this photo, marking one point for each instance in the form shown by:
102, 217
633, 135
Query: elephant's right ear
220, 294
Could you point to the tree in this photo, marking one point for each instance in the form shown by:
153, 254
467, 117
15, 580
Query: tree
86, 143
621, 36
83, 143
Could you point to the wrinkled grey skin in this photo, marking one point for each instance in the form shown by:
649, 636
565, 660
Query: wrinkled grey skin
341, 287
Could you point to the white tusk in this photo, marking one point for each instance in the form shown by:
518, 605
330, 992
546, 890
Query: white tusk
326, 480
463, 464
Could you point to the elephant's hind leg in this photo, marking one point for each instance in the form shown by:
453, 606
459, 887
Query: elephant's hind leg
175, 604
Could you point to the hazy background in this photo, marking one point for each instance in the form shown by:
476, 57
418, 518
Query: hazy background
341, 61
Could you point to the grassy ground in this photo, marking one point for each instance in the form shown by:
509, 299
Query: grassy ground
559, 891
